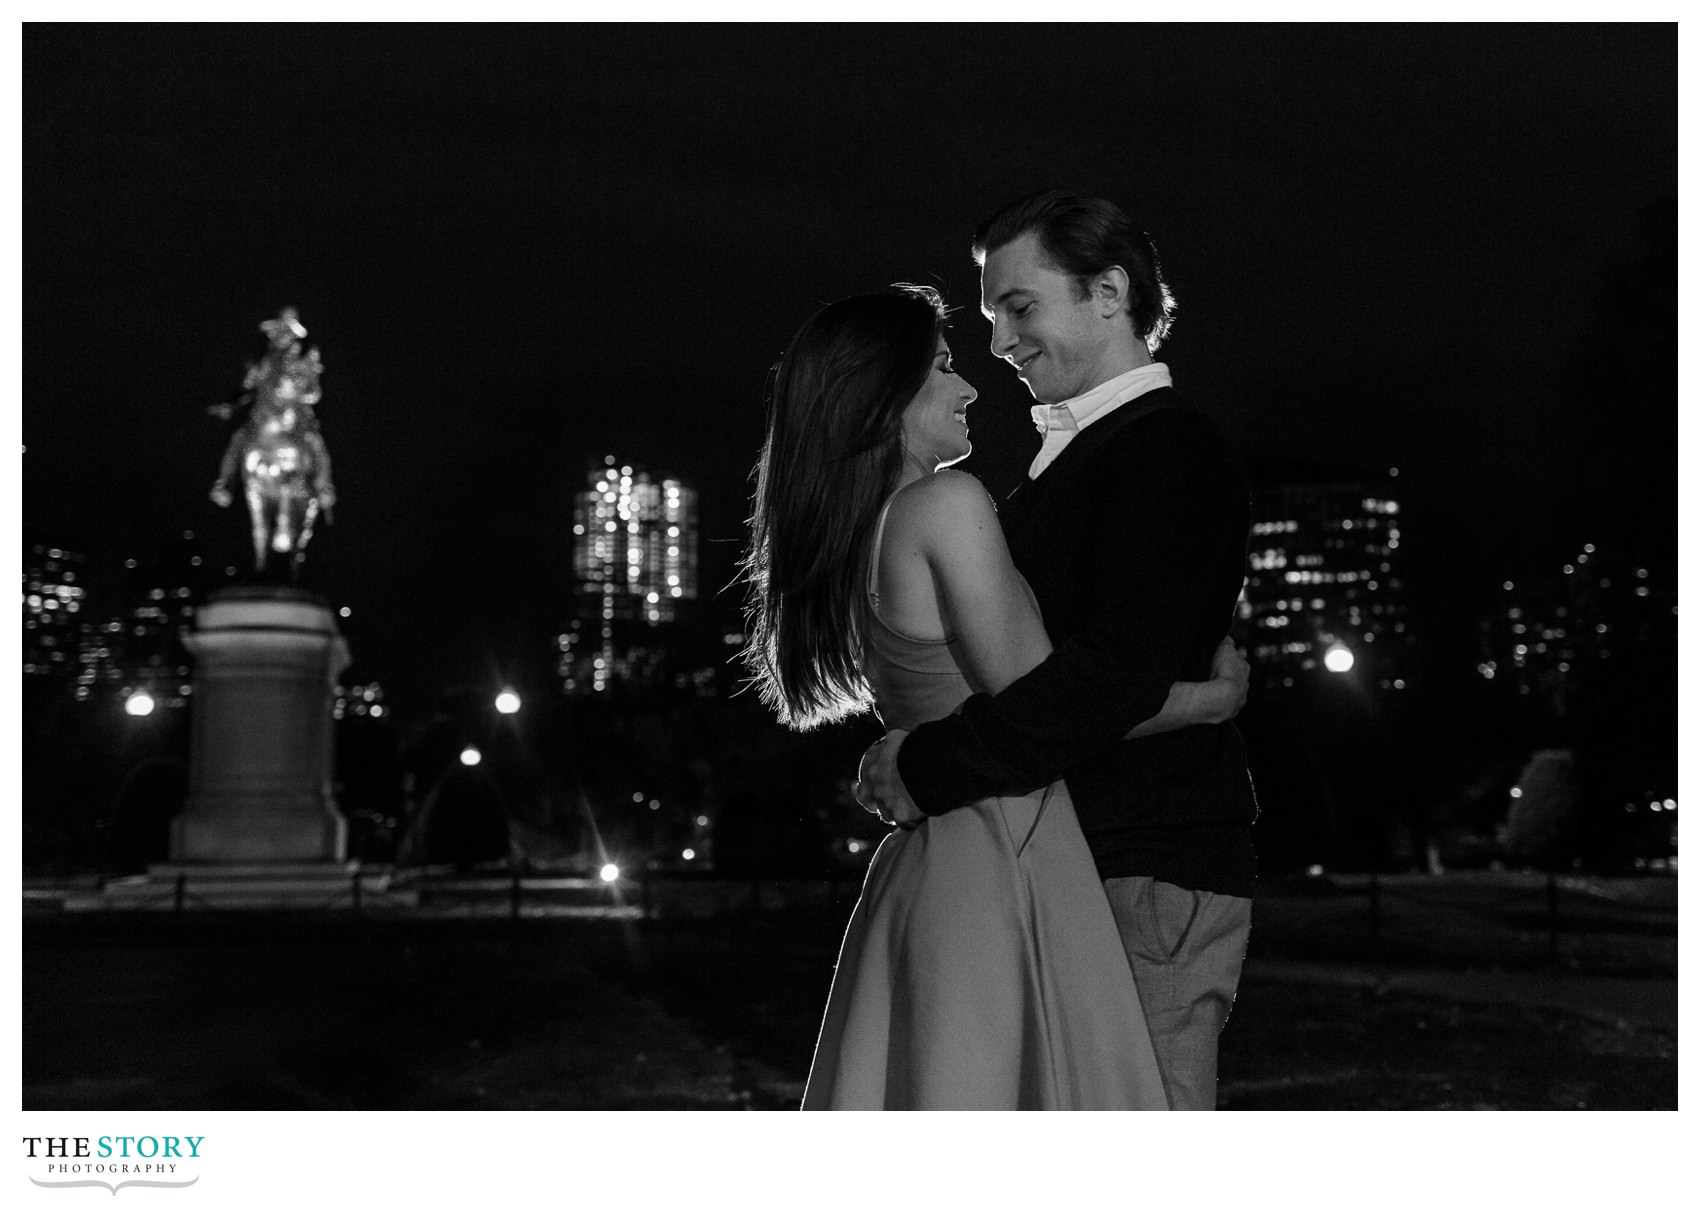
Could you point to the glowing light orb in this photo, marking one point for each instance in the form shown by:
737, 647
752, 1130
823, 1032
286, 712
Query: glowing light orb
507, 702
1339, 659
470, 756
609, 873
688, 855
140, 703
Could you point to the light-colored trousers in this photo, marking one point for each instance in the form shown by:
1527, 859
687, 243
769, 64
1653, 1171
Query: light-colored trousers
1186, 949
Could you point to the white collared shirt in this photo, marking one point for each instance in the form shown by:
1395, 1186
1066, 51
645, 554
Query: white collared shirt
1060, 422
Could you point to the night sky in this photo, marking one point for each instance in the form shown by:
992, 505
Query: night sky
521, 250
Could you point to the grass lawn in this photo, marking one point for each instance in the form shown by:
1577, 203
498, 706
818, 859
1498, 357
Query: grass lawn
1455, 1003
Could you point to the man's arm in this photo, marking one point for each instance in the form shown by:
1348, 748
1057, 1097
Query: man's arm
879, 788
1158, 520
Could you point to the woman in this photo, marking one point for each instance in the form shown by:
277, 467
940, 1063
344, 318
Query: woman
981, 967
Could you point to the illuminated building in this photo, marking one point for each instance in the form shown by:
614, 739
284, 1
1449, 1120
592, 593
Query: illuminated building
635, 568
99, 653
361, 701
1595, 608
53, 598
159, 611
1323, 594
1583, 653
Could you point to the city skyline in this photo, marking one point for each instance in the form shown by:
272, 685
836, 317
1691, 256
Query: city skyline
1325, 581
1388, 262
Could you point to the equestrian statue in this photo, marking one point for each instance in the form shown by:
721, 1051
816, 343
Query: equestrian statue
286, 470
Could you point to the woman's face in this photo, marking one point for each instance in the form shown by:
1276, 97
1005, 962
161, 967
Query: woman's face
935, 425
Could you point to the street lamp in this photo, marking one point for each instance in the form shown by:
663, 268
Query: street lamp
470, 756
609, 873
139, 703
507, 702
1338, 659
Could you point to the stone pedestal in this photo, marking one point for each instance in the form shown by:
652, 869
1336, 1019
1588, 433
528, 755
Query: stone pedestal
266, 663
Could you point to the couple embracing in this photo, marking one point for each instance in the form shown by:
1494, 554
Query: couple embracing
1060, 918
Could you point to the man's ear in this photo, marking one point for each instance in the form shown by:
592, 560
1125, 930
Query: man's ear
1110, 291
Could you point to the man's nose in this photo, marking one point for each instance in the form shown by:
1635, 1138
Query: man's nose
1003, 338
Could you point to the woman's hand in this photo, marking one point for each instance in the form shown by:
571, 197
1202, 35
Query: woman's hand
1214, 702
1230, 681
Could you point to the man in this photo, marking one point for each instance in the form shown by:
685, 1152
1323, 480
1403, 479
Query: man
1131, 529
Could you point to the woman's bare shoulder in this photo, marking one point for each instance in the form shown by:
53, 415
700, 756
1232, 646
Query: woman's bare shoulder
945, 503
949, 509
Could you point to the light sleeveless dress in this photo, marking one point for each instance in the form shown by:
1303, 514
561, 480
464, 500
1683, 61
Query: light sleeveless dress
981, 968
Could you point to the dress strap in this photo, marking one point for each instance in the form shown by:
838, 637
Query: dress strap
873, 584
874, 551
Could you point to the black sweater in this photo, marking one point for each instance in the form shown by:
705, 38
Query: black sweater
1134, 542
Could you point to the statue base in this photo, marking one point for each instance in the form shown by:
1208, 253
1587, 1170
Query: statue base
266, 663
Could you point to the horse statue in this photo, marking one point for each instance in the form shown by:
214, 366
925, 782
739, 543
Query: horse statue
286, 470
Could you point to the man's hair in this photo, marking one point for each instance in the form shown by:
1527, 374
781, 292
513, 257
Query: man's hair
833, 454
1083, 236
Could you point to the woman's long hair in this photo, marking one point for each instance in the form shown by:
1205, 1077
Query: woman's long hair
834, 452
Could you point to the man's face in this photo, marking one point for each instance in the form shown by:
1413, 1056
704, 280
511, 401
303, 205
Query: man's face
1058, 343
